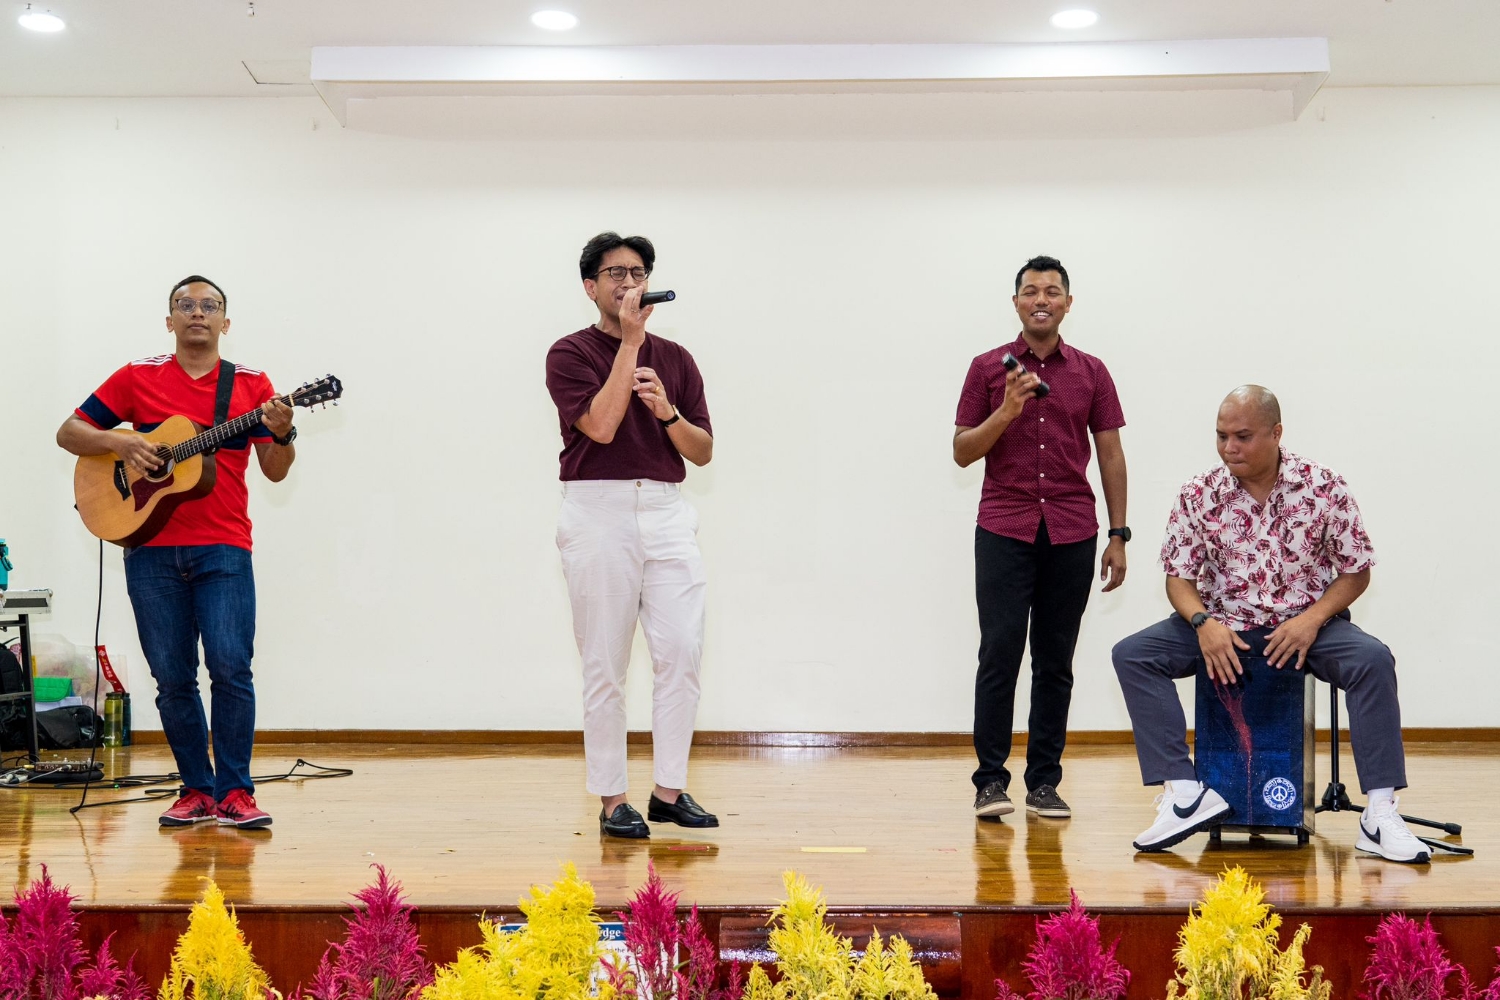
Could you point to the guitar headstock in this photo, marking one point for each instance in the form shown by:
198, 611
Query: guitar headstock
325, 390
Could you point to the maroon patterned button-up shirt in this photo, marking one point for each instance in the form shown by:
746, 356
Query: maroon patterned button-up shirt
1257, 565
1039, 467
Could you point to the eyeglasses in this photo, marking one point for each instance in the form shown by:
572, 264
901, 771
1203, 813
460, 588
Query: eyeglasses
618, 273
207, 306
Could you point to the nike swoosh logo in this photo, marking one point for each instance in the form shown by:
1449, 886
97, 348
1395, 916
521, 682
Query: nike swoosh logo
1373, 836
1185, 813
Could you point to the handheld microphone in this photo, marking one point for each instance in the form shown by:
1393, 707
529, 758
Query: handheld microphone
1011, 364
652, 298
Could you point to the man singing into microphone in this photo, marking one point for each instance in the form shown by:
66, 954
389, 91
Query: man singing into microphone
631, 408
1037, 534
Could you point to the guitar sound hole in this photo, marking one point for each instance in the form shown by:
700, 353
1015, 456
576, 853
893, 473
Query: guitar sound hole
165, 472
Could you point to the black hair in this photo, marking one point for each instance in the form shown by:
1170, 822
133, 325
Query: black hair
595, 249
195, 279
1043, 264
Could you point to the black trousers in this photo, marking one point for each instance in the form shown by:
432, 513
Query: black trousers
1048, 586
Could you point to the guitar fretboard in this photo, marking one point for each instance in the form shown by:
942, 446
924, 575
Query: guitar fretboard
219, 433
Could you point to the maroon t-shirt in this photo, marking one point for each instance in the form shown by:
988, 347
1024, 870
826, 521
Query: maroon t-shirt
1039, 467
577, 368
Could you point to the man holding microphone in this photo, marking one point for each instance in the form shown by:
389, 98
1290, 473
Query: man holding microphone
631, 408
1037, 534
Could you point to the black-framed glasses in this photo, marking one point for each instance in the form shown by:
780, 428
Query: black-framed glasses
188, 306
617, 273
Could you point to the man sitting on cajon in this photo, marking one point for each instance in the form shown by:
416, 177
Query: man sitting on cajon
1262, 553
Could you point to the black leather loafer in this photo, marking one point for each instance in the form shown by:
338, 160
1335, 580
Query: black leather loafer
624, 822
683, 812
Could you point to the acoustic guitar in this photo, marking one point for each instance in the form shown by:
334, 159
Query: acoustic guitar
120, 505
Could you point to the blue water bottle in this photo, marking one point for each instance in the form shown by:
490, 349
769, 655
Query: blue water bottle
5, 566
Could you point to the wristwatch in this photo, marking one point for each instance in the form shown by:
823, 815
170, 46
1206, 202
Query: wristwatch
675, 417
1122, 533
291, 436
1199, 620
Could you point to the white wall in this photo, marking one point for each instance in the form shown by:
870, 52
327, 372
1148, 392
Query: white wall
833, 291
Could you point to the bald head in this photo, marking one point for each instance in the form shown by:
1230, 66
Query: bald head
1258, 399
1249, 431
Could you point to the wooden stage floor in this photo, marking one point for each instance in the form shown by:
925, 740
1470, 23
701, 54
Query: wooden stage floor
471, 827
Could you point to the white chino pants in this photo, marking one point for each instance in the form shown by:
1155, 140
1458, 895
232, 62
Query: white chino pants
630, 551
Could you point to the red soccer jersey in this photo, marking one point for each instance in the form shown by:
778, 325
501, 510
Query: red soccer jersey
145, 393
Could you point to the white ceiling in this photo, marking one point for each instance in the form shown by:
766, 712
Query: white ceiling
200, 47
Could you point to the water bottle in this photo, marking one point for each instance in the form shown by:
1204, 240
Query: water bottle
5, 566
117, 719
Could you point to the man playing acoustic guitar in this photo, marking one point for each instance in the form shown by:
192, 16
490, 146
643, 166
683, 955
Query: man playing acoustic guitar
193, 580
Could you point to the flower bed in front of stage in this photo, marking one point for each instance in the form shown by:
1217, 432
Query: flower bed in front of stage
1227, 951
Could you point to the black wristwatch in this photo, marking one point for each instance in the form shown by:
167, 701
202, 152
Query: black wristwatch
675, 417
1123, 534
291, 436
1199, 620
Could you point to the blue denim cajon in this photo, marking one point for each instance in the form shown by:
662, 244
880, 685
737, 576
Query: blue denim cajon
1270, 789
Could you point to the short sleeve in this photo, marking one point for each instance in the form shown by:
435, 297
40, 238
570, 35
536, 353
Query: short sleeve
113, 403
571, 380
1344, 535
1105, 414
974, 401
691, 401
1183, 550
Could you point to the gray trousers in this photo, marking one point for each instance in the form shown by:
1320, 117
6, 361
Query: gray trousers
1344, 655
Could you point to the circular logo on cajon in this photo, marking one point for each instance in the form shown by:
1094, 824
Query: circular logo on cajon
1280, 794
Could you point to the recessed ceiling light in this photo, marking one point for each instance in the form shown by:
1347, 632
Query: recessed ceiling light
1072, 19
554, 20
38, 21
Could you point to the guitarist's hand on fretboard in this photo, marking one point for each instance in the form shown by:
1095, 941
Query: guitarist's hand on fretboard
277, 417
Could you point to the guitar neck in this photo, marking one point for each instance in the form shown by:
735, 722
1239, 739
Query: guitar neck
219, 433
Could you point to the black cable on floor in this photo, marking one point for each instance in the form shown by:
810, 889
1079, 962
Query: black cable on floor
316, 772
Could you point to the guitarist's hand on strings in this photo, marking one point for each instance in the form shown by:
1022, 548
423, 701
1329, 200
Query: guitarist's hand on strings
138, 453
276, 417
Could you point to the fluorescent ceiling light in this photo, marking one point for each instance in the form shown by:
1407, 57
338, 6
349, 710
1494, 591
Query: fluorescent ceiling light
1072, 19
554, 20
38, 21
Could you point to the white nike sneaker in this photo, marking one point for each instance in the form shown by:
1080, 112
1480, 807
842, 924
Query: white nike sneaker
1382, 831
1179, 817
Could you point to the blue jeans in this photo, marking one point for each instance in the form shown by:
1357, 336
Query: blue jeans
181, 594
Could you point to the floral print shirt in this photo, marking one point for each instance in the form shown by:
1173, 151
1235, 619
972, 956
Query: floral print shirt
1258, 565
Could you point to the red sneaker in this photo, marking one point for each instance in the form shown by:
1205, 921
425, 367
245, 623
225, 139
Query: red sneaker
190, 807
239, 809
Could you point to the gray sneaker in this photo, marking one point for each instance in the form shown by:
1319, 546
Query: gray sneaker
992, 801
1045, 802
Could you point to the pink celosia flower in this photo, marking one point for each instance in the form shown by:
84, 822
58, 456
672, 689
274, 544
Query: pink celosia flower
41, 947
1408, 962
381, 958
1068, 961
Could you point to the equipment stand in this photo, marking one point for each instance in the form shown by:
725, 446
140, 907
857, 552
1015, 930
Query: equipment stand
1336, 796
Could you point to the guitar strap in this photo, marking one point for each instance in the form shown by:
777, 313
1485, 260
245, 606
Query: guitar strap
221, 400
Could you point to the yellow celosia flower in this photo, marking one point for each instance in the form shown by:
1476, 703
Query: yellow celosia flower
889, 974
212, 959
814, 962
1227, 949
555, 956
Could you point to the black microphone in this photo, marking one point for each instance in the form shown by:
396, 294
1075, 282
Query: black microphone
1011, 364
652, 298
